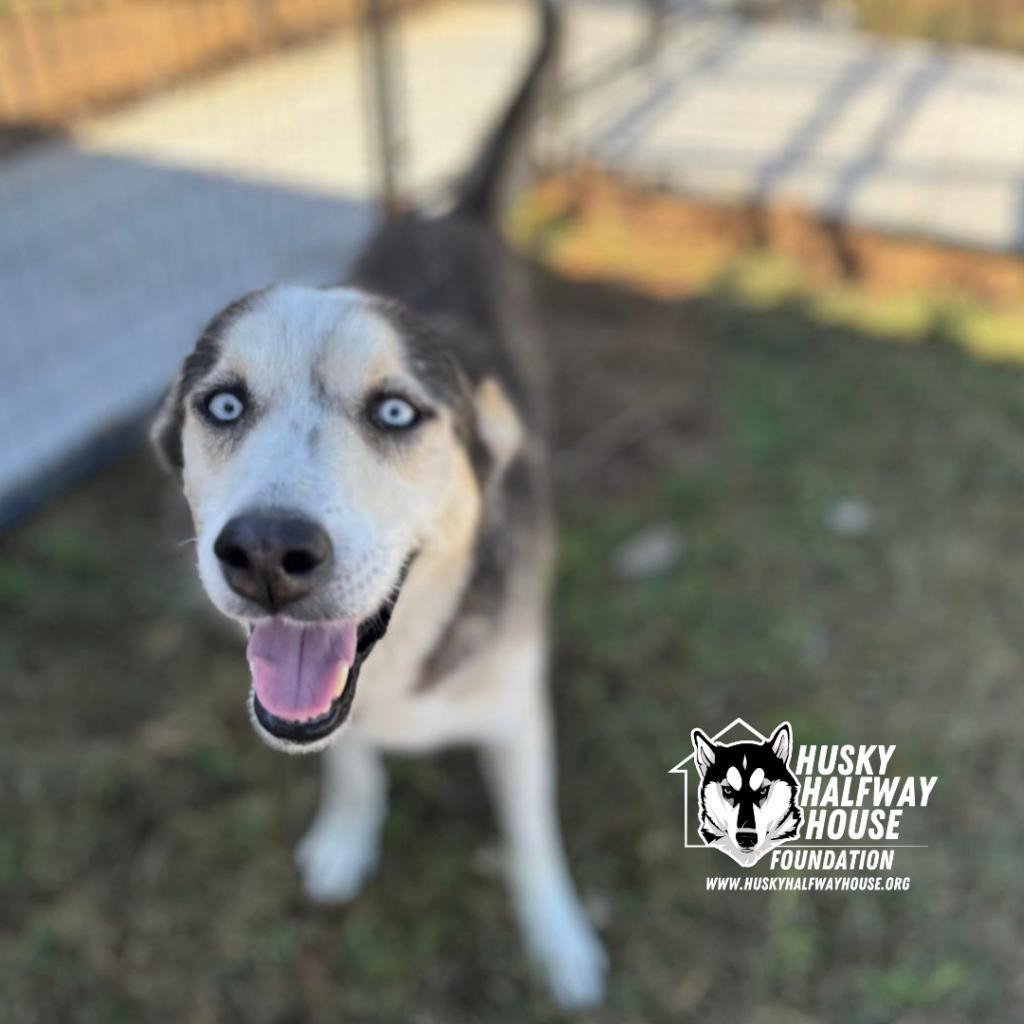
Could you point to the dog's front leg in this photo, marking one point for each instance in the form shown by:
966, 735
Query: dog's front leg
340, 849
520, 769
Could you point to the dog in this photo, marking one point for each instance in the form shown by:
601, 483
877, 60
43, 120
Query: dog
365, 466
748, 795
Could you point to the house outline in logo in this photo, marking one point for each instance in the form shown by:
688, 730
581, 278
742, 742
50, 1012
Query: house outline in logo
753, 736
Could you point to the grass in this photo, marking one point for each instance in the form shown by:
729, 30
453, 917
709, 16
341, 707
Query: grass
987, 330
145, 858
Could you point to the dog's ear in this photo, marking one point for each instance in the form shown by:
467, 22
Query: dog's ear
498, 425
703, 751
781, 742
165, 433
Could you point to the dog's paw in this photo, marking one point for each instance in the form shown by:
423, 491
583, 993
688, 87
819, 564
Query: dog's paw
335, 859
572, 957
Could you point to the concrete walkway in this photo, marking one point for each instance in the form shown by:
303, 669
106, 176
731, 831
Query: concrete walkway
117, 246
900, 137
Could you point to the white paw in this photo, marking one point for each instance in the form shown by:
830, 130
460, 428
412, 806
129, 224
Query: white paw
571, 956
335, 858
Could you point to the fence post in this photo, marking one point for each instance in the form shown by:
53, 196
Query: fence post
381, 93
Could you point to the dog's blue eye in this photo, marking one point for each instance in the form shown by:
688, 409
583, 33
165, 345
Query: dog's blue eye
391, 412
225, 406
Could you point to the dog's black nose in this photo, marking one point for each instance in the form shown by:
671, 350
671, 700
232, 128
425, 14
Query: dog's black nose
273, 558
746, 840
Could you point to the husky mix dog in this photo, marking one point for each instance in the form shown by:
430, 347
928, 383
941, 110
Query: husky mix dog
748, 795
365, 468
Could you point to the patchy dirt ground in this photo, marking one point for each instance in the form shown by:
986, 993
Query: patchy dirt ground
595, 226
589, 222
995, 23
145, 853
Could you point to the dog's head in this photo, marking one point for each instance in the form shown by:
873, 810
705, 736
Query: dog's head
324, 439
747, 794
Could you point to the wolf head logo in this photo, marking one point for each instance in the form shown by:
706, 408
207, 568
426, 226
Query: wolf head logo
748, 796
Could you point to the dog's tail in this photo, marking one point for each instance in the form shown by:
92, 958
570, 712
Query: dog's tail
482, 191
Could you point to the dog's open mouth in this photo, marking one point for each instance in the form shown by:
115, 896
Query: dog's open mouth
300, 674
304, 674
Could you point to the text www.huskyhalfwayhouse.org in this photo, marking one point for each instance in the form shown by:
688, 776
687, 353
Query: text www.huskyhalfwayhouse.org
819, 860
808, 883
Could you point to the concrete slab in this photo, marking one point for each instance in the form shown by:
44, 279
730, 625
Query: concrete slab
901, 137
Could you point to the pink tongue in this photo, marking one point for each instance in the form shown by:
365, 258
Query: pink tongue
298, 670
